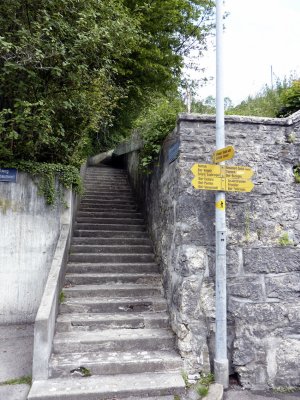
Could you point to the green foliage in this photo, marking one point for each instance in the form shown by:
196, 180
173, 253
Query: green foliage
83, 371
280, 101
57, 66
156, 122
265, 104
24, 380
201, 390
202, 386
169, 30
186, 379
284, 240
75, 75
208, 105
290, 99
207, 379
67, 176
296, 170
62, 297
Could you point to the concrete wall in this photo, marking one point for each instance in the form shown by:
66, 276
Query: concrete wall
263, 274
29, 231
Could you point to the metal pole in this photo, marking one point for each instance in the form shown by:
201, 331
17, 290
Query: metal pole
220, 361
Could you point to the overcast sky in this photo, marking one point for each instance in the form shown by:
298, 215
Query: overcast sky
259, 34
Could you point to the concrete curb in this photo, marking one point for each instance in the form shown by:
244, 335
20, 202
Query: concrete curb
215, 392
44, 326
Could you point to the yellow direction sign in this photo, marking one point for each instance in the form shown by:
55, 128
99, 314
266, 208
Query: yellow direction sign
239, 185
208, 183
206, 169
238, 172
224, 154
217, 177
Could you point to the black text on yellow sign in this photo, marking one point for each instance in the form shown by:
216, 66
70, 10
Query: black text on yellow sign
227, 153
221, 178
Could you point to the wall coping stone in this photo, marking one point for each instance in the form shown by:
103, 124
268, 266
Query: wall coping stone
241, 119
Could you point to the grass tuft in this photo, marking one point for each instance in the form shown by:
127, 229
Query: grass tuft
24, 380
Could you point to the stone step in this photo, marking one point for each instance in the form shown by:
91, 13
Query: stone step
110, 214
107, 181
111, 363
105, 196
97, 241
108, 184
113, 249
94, 321
95, 194
110, 234
108, 387
110, 290
110, 207
111, 257
108, 172
113, 340
113, 221
90, 279
122, 188
115, 304
117, 268
109, 227
101, 171
116, 201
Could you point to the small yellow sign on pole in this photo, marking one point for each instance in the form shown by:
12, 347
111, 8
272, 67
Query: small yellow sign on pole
224, 154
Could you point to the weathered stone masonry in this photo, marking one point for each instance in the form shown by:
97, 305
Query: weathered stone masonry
263, 273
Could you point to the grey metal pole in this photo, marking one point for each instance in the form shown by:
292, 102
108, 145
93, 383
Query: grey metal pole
220, 362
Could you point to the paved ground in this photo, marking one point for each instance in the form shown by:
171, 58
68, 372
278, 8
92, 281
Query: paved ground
16, 346
236, 393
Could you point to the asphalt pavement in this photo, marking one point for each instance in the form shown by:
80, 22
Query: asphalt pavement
16, 348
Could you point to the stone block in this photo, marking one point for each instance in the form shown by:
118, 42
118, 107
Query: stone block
243, 351
262, 314
190, 260
287, 359
249, 287
233, 260
283, 286
271, 259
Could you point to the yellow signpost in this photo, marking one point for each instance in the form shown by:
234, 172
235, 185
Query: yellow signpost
227, 153
223, 178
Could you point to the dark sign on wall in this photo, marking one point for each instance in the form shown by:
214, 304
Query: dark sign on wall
8, 175
173, 152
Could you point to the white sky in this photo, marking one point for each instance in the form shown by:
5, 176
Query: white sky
259, 34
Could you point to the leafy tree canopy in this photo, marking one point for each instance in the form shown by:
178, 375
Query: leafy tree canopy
72, 72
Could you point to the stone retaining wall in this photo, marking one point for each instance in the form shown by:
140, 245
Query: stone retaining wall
263, 256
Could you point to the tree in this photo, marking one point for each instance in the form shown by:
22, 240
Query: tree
169, 30
75, 73
57, 69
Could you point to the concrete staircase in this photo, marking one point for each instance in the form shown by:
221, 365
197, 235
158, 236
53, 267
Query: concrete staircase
113, 339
